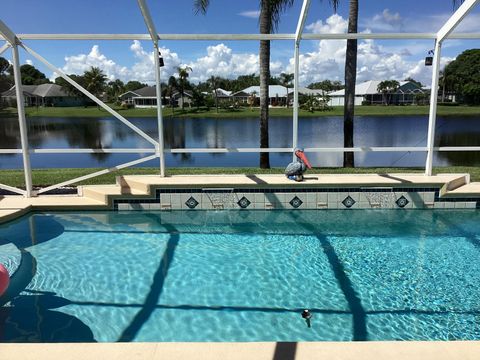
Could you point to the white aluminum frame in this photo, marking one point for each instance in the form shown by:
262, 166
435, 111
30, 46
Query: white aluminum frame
14, 40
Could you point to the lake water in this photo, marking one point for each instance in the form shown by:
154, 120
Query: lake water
242, 132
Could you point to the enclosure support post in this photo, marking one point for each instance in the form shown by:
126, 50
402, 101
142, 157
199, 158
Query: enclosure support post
444, 31
296, 71
156, 58
432, 117
295, 97
160, 149
22, 121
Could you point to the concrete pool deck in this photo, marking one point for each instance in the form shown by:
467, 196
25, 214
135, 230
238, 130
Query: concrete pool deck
100, 197
388, 350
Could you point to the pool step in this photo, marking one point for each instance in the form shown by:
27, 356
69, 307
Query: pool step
103, 192
133, 183
464, 191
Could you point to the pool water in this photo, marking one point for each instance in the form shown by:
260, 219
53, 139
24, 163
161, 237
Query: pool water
243, 276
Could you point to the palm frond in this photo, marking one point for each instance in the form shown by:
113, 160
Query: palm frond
277, 7
201, 6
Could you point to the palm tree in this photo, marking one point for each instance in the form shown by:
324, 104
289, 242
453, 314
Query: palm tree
350, 81
115, 89
182, 80
171, 88
95, 81
286, 80
213, 83
270, 11
387, 88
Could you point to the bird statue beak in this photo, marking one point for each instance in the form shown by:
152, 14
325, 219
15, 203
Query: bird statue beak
304, 158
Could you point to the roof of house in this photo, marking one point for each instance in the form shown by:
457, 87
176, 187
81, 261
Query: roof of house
273, 90
223, 93
146, 91
43, 90
366, 88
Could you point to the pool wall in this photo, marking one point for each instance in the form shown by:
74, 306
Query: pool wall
296, 198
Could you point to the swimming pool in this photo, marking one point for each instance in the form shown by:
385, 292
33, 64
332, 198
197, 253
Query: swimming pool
242, 276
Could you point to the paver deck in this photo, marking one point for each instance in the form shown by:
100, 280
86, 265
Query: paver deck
433, 350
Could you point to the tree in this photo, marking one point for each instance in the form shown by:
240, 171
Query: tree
134, 85
95, 81
115, 89
171, 88
6, 79
350, 81
327, 85
286, 80
70, 89
183, 81
213, 84
387, 88
270, 11
32, 76
462, 77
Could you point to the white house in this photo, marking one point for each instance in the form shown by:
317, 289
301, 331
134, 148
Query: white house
367, 92
277, 94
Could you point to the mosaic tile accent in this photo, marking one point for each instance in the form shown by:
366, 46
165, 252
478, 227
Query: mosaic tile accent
307, 198
243, 202
191, 202
402, 201
348, 202
296, 202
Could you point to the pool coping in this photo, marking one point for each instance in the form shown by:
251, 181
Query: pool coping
134, 188
391, 350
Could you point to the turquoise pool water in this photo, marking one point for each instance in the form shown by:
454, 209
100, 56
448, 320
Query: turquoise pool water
243, 276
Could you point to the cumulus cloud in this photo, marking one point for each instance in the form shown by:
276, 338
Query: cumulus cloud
143, 69
384, 22
222, 61
29, 62
326, 60
374, 61
77, 64
254, 14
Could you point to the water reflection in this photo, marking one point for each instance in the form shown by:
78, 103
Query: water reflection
104, 133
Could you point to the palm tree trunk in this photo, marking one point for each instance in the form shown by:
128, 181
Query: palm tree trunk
265, 15
350, 80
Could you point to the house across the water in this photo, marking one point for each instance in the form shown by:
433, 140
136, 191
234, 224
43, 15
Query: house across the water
366, 93
146, 97
43, 95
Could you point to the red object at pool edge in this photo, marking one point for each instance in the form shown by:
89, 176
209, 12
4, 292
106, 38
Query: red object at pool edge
4, 279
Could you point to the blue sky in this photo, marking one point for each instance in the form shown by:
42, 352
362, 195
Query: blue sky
132, 60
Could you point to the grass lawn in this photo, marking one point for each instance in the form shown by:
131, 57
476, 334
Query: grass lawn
45, 177
93, 111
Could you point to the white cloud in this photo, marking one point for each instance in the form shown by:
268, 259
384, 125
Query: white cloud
222, 61
254, 14
374, 61
385, 21
29, 62
144, 71
77, 64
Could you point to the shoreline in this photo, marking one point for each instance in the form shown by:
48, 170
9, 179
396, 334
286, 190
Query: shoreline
384, 111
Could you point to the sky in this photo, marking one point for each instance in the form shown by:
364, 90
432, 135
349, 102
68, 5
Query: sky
319, 60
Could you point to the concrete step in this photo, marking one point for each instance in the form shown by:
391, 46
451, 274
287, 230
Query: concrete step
103, 192
466, 190
135, 183
454, 184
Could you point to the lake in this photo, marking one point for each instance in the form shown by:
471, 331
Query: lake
241, 132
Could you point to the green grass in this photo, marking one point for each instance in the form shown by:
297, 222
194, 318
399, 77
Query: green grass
45, 177
93, 111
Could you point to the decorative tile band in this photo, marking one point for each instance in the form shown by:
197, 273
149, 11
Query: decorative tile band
305, 198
